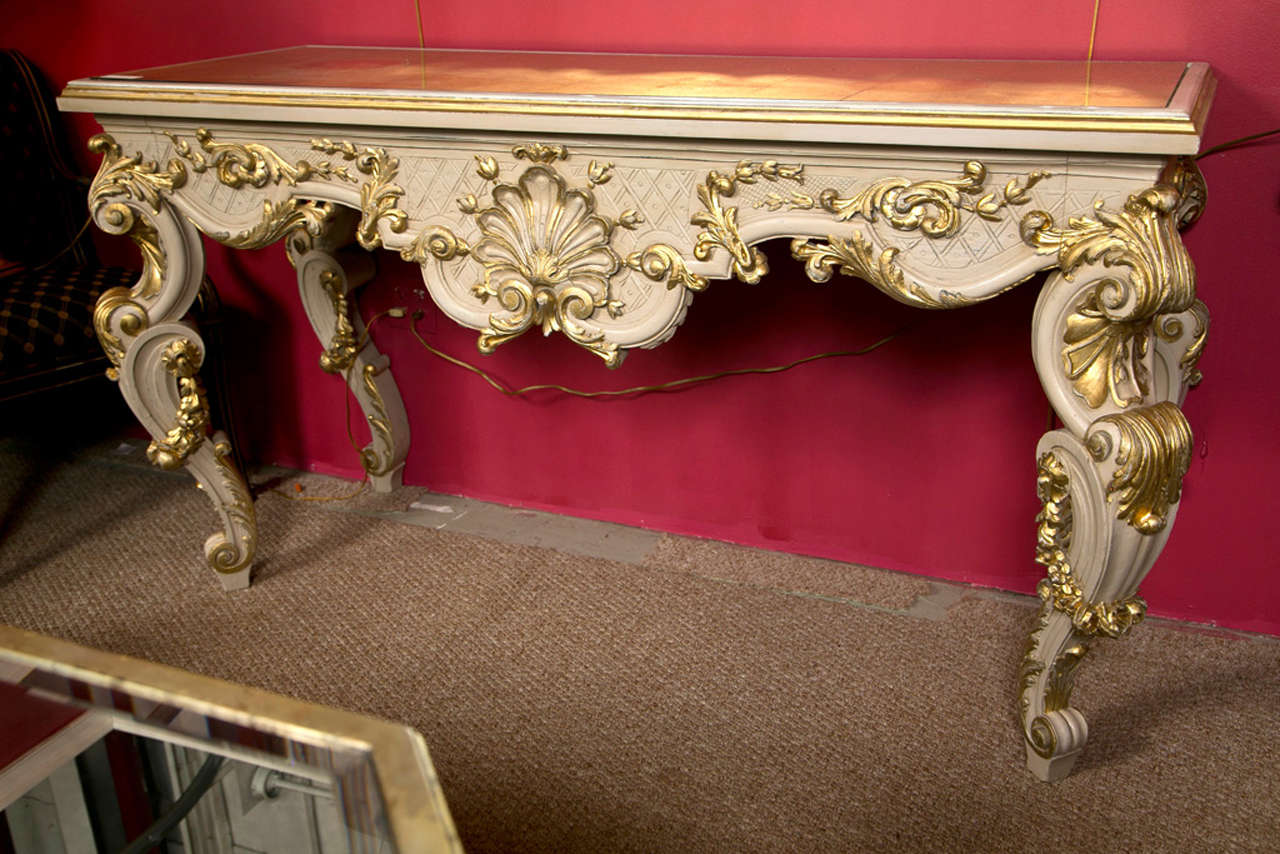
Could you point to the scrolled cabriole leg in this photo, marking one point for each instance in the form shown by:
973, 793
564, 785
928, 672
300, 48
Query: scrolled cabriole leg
156, 357
326, 285
1116, 334
160, 380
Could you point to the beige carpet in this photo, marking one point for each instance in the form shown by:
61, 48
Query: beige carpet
701, 697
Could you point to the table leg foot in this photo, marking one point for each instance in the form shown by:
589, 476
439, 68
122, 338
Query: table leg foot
389, 482
1050, 770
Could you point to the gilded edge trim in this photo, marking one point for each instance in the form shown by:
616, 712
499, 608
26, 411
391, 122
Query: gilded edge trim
1181, 125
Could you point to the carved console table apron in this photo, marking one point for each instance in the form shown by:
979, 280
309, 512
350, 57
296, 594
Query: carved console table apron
595, 195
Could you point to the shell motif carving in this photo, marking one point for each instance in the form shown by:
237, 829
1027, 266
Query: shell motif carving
547, 259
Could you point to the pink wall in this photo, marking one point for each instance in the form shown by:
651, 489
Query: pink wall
919, 457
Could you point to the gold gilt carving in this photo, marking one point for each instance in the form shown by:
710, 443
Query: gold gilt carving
379, 423
536, 152
932, 207
1108, 335
278, 219
225, 557
1169, 328
182, 358
855, 256
1060, 682
1061, 587
142, 181
379, 196
133, 321
438, 242
342, 347
546, 251
1183, 175
661, 262
133, 177
1153, 454
256, 165
1031, 665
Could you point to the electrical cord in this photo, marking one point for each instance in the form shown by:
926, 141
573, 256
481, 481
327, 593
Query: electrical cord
200, 783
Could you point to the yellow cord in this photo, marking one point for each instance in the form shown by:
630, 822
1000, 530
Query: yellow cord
640, 389
422, 42
1088, 62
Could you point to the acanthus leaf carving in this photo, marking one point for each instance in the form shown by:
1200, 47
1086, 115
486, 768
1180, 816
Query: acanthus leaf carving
1152, 454
1107, 337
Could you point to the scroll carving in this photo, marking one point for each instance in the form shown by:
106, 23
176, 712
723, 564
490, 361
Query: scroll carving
121, 179
1109, 333
933, 207
661, 262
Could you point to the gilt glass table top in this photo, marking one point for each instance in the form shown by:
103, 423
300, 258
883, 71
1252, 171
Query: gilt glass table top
1128, 97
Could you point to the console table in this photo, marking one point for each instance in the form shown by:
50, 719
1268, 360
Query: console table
595, 195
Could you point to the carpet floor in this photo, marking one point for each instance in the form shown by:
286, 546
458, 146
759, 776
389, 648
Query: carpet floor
693, 697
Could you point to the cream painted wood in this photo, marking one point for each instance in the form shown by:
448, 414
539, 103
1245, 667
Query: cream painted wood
323, 277
604, 228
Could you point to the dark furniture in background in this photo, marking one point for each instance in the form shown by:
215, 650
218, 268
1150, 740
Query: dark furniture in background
50, 277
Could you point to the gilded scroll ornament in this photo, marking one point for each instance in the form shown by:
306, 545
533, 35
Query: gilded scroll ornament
933, 207
136, 179
132, 177
257, 165
252, 163
1108, 335
437, 242
343, 346
1153, 454
719, 223
132, 321
1061, 587
379, 196
379, 423
278, 219
182, 359
538, 152
1183, 175
1169, 328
